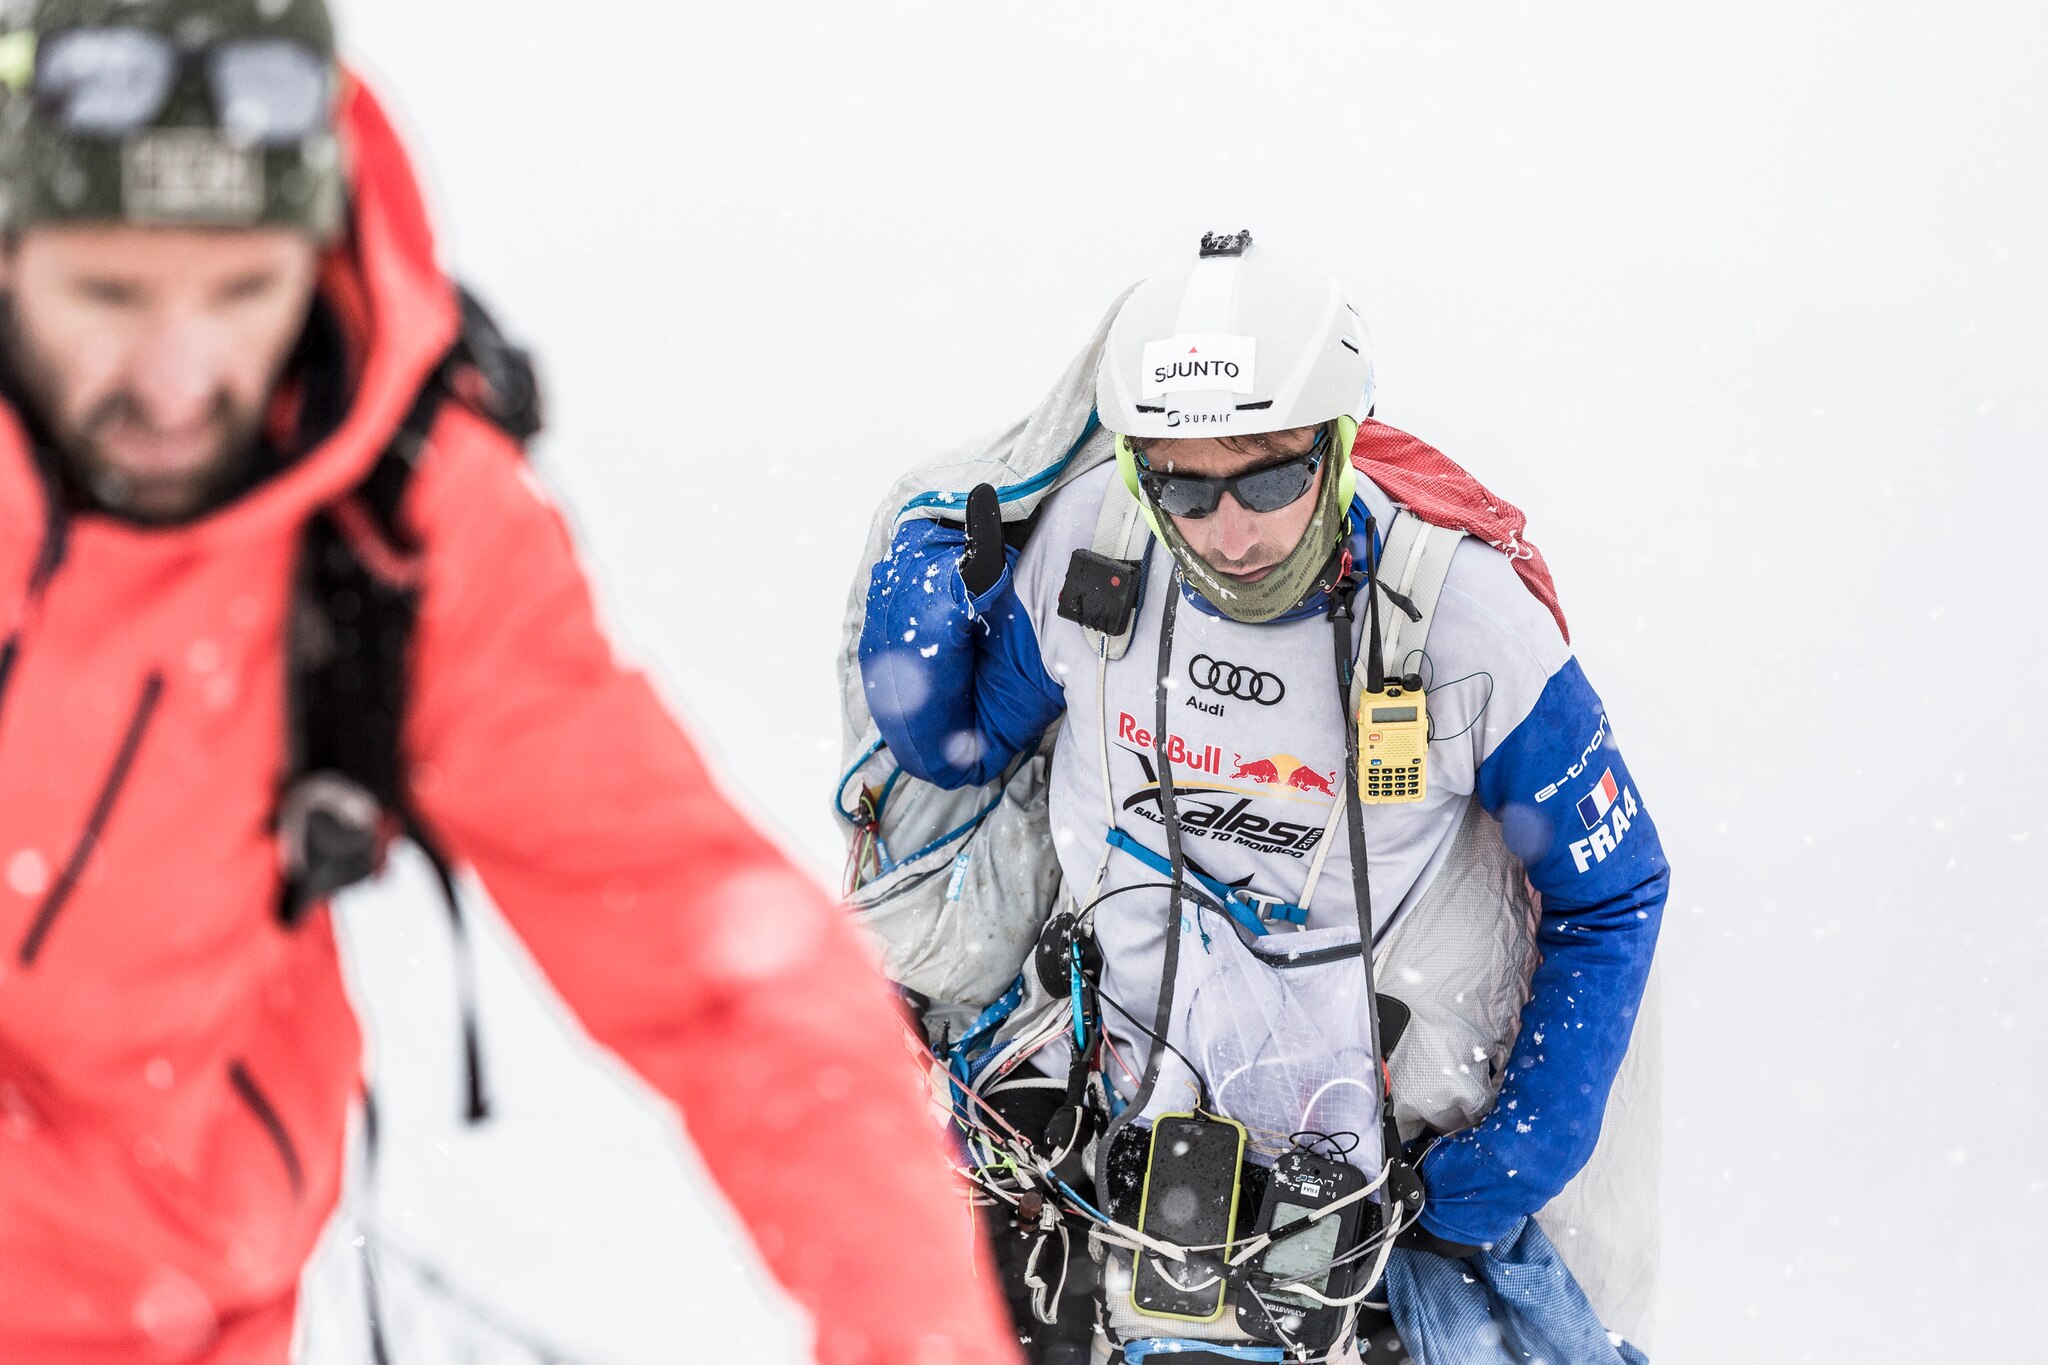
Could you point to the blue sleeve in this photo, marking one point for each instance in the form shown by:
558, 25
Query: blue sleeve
1570, 811
955, 683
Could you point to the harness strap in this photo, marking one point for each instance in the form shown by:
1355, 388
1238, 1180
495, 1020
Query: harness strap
1118, 528
1424, 552
1102, 754
1120, 533
1342, 598
1176, 888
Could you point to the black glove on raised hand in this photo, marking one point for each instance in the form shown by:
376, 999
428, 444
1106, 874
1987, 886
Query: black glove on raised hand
981, 563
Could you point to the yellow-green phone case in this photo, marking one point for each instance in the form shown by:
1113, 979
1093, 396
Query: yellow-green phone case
1145, 1202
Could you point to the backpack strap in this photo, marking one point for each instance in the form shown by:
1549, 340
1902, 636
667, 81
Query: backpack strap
1417, 555
492, 376
355, 609
1416, 560
355, 605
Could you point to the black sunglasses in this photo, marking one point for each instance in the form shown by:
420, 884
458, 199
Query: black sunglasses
1265, 489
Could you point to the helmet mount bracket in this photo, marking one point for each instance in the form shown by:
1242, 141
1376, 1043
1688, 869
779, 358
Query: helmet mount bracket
1226, 243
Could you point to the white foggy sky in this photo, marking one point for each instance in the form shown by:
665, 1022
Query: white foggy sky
1740, 302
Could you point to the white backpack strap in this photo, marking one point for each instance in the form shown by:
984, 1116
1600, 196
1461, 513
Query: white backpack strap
1315, 867
1415, 559
1414, 562
1120, 533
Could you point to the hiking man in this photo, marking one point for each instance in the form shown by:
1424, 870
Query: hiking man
1310, 685
227, 378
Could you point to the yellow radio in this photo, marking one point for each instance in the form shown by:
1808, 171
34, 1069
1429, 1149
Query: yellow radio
1393, 746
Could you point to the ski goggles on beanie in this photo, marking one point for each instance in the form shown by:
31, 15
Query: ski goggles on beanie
171, 113
111, 82
1267, 488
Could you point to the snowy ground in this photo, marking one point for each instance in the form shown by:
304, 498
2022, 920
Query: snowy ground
1741, 301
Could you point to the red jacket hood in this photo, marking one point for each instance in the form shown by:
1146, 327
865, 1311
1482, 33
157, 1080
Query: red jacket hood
409, 318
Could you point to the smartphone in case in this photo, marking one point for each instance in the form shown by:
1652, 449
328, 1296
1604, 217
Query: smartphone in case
1192, 1182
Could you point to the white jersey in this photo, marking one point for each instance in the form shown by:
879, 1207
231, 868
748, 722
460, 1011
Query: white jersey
1256, 735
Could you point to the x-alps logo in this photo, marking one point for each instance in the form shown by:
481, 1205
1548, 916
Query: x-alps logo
1234, 682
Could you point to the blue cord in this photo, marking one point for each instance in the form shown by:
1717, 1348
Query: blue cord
1011, 492
839, 796
954, 833
1074, 994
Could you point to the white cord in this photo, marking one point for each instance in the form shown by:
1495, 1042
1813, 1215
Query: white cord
1273, 1319
1265, 1239
1160, 1271
1046, 1307
1309, 1109
1131, 1239
1379, 1269
1019, 1048
1102, 730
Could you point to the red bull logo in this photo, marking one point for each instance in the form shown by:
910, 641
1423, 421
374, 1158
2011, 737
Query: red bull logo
1179, 752
1261, 770
1284, 769
1306, 779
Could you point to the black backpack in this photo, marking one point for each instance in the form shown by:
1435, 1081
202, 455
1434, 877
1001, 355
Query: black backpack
356, 601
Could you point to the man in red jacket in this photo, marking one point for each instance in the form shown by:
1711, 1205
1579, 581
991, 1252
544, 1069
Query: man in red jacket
221, 302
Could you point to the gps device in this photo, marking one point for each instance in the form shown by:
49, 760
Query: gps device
1190, 1199
1393, 745
1300, 1183
1100, 593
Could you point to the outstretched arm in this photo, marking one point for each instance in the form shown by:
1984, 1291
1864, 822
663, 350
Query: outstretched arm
682, 939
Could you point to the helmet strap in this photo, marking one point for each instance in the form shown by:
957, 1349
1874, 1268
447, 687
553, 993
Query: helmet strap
1127, 464
1347, 473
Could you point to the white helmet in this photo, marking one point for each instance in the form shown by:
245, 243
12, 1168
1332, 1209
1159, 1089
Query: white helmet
1237, 341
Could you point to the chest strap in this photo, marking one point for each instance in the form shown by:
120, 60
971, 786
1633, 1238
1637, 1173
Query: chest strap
1248, 908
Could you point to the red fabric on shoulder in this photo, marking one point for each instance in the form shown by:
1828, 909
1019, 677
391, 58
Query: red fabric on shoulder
1436, 488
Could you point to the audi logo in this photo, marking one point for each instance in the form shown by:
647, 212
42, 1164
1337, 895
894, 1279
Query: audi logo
1236, 681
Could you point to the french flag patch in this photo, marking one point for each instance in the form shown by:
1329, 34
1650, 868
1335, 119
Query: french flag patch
1593, 806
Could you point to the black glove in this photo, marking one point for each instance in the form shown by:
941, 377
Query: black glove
1416, 1237
981, 563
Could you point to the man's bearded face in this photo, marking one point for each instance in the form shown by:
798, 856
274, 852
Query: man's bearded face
150, 354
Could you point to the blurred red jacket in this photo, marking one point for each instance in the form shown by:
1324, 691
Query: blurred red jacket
176, 1068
